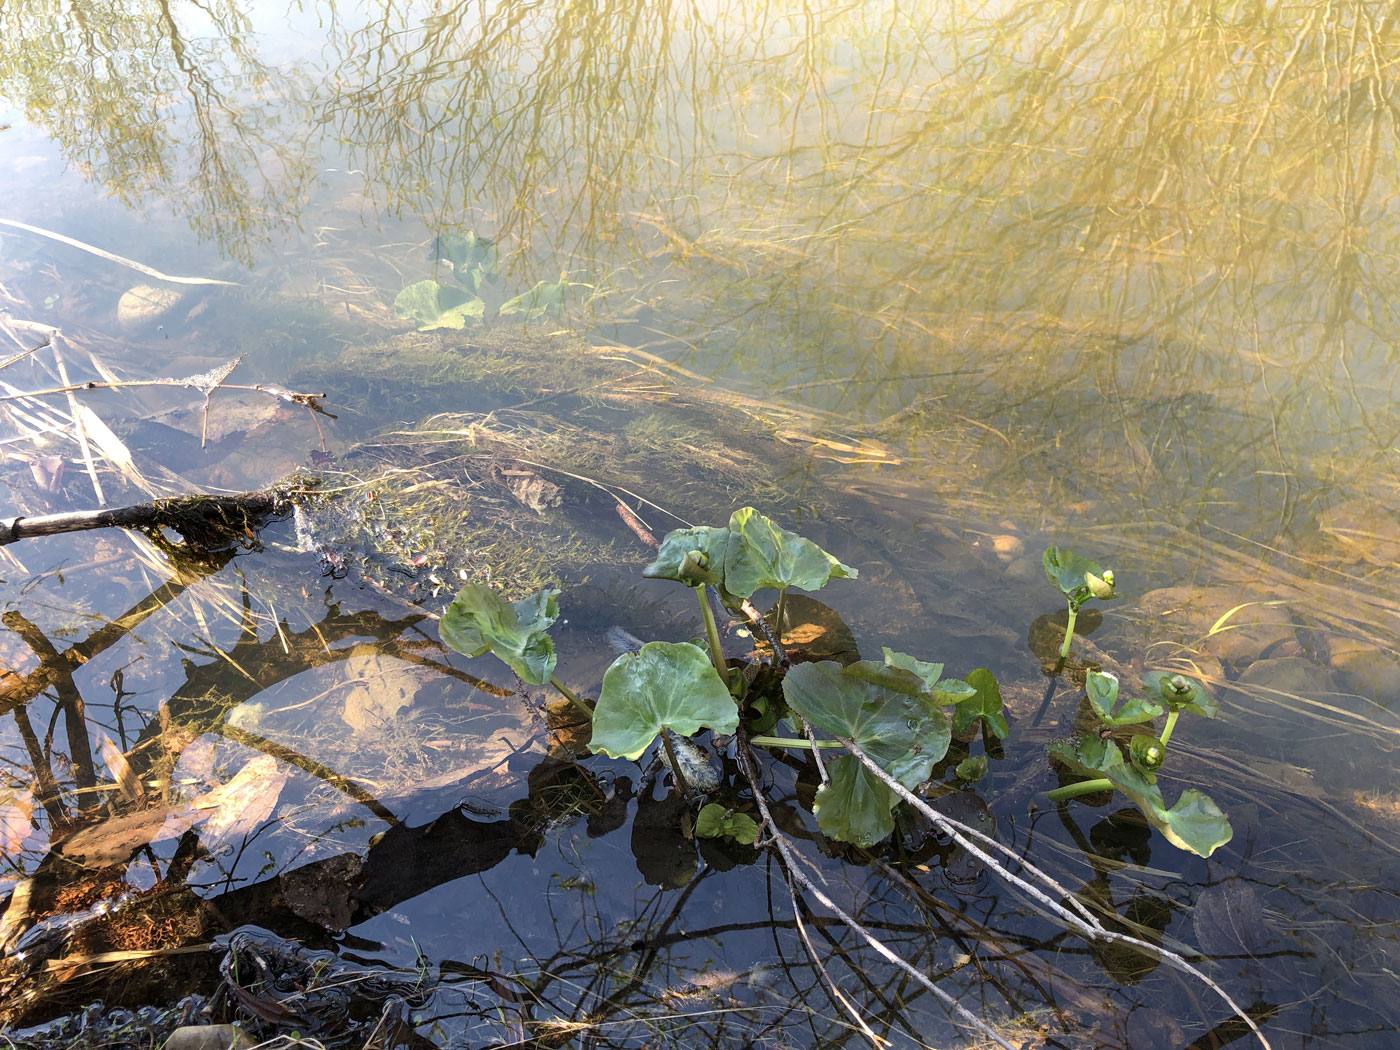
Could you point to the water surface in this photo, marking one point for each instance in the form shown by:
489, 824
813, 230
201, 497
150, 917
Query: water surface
947, 284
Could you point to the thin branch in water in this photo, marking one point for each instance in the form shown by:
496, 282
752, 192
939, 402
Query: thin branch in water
110, 257
794, 872
1076, 920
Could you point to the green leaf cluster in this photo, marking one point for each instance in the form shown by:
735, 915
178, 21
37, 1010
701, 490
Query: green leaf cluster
753, 552
1194, 822
479, 620
714, 822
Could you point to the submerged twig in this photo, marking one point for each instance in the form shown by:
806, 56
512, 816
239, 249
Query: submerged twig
794, 873
111, 257
204, 520
1075, 915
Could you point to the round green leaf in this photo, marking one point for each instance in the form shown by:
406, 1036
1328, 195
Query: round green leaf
663, 684
854, 805
761, 553
885, 710
480, 620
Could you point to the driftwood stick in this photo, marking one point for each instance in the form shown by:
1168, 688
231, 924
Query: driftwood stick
205, 520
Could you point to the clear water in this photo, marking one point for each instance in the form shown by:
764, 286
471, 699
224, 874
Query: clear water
1118, 278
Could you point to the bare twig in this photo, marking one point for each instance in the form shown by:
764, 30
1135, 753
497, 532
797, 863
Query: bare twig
109, 256
794, 872
1079, 920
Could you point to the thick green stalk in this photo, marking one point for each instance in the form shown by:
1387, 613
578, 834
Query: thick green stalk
1069, 629
1084, 787
712, 635
792, 741
1167, 729
569, 696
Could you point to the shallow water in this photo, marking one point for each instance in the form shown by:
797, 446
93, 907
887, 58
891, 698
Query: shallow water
961, 283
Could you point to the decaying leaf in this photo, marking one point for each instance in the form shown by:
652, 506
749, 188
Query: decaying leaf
128, 783
379, 687
532, 490
16, 820
238, 807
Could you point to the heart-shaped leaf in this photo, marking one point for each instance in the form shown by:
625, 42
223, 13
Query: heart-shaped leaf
886, 711
435, 305
943, 690
676, 560
984, 705
854, 805
761, 553
671, 685
1102, 689
479, 620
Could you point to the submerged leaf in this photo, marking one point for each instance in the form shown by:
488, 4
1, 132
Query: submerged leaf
479, 620
761, 553
435, 305
471, 257
663, 685
541, 299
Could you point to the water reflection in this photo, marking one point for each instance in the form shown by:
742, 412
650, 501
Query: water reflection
163, 102
1043, 272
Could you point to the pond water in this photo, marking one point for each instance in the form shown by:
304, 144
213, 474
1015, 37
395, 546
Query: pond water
938, 286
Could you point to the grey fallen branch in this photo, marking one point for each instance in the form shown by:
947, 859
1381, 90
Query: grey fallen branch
1071, 912
795, 875
210, 522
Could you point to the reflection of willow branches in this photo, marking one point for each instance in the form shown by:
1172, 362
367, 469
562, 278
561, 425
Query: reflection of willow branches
99, 76
510, 99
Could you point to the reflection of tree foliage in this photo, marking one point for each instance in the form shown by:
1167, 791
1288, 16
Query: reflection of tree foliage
143, 98
1189, 200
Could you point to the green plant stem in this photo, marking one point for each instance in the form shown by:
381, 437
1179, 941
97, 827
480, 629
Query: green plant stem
571, 697
1069, 629
712, 635
780, 614
1167, 729
792, 741
1084, 787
